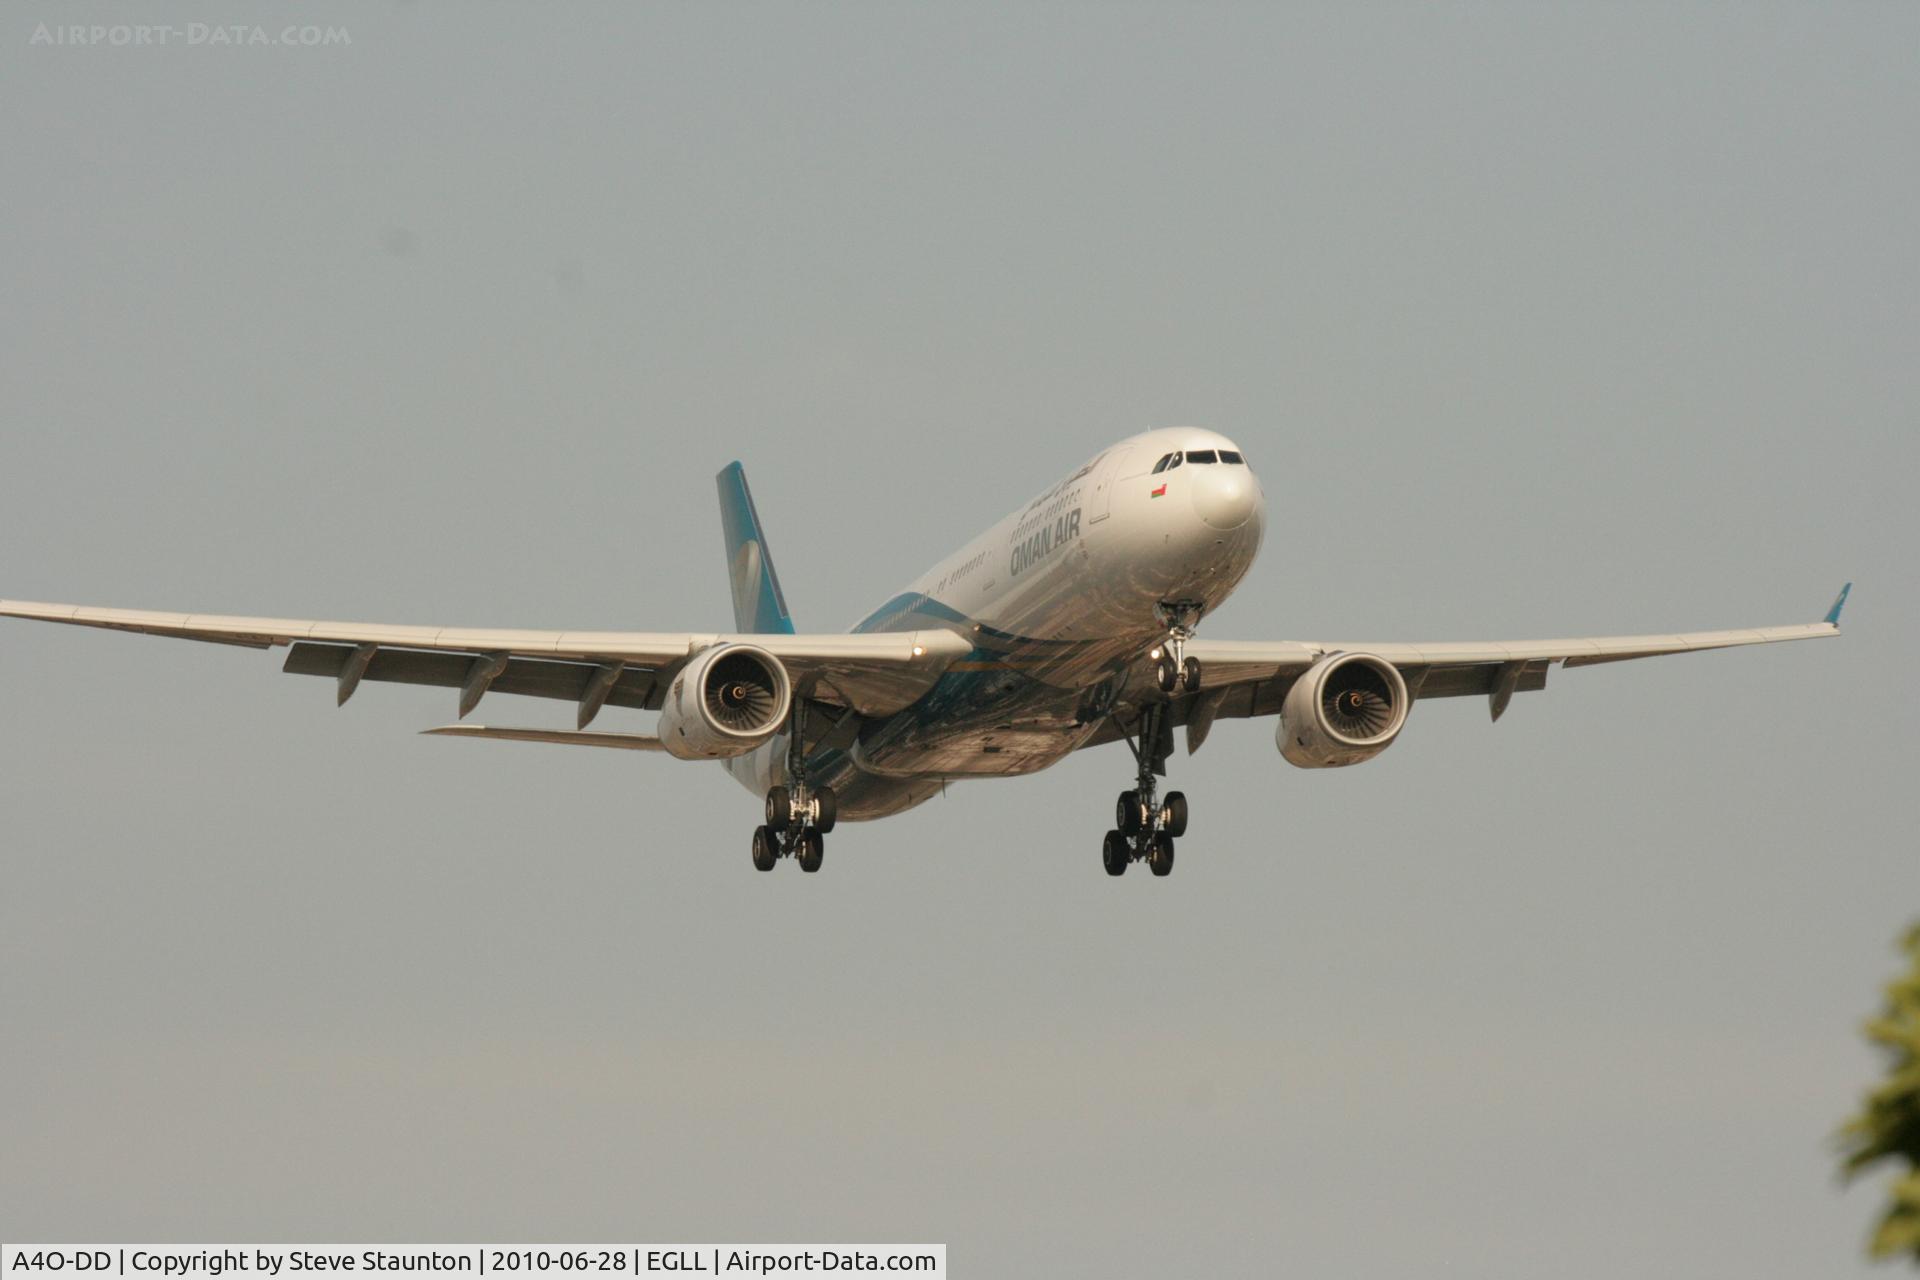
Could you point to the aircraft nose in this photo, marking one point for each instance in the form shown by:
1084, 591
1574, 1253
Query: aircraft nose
1223, 496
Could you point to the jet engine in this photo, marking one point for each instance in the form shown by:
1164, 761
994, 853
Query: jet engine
725, 702
1345, 708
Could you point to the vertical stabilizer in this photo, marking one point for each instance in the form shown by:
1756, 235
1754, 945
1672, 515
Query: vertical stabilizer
758, 606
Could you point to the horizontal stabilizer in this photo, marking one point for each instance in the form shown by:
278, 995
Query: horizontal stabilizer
566, 737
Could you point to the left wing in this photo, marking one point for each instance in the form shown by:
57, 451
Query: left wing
1241, 679
870, 674
564, 737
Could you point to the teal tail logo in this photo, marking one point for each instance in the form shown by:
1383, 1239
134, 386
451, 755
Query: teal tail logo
758, 606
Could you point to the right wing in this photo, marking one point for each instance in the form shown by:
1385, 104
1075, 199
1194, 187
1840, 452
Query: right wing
1451, 669
1243, 679
875, 674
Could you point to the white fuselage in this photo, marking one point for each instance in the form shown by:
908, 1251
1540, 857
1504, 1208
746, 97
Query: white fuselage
1059, 600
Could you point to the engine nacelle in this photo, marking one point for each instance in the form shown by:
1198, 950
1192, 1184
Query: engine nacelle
724, 703
1345, 708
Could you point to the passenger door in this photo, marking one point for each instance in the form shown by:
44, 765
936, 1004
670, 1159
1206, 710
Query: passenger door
1099, 503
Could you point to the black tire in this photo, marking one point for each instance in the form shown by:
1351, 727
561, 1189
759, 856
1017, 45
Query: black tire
1167, 674
766, 849
1126, 813
812, 850
1114, 854
1190, 675
1176, 824
1160, 856
829, 809
779, 808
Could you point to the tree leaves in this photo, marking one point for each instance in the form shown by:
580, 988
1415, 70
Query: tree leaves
1888, 1124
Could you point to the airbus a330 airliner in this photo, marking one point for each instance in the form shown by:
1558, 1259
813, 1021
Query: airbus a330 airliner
1069, 624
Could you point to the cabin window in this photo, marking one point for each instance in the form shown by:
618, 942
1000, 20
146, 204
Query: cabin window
1232, 458
1200, 455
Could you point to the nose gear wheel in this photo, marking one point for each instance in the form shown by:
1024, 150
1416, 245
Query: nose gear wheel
1173, 670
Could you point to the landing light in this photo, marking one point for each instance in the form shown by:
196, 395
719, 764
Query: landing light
919, 652
1154, 653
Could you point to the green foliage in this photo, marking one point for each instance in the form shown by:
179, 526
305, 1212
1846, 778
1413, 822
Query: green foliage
1888, 1126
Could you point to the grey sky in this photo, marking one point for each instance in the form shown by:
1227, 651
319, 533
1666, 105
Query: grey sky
1534, 321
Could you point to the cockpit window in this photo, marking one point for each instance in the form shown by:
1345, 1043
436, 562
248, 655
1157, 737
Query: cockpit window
1200, 455
1166, 461
1229, 456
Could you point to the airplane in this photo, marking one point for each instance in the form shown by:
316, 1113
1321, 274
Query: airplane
1069, 624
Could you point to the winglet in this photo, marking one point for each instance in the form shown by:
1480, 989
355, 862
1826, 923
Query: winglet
1839, 602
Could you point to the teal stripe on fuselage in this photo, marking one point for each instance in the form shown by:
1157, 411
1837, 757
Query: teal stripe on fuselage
909, 611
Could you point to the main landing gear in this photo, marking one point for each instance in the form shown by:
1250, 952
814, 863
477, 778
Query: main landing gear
1145, 826
1173, 670
798, 816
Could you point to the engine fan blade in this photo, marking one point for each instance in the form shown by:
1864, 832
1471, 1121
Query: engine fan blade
1357, 713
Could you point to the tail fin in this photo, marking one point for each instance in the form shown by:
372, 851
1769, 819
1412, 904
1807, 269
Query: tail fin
758, 606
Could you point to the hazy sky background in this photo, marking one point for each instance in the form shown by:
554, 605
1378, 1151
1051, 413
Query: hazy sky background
1534, 321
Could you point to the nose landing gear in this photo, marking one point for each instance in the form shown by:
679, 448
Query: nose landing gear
1173, 669
1145, 826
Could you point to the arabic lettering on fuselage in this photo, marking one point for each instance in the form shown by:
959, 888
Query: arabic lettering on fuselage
1050, 494
1045, 540
1051, 521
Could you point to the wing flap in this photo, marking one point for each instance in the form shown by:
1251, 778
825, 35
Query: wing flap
636, 687
563, 737
1465, 682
